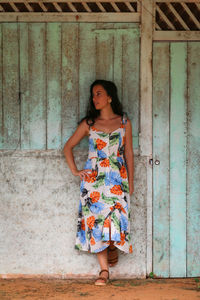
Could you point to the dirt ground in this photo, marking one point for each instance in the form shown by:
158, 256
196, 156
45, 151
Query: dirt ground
134, 289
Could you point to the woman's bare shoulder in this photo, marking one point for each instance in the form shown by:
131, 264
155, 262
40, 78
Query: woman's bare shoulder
128, 126
83, 125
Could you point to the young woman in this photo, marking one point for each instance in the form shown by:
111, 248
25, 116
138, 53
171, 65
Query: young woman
103, 224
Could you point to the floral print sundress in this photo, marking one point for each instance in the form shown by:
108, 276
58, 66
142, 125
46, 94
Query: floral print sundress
105, 194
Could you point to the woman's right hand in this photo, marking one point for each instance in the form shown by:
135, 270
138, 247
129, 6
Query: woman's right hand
83, 174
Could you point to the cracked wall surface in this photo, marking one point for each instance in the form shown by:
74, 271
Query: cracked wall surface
39, 200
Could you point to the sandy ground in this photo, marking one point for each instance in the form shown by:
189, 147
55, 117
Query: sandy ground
134, 289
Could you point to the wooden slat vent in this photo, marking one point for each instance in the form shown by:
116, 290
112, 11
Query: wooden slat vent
104, 6
175, 16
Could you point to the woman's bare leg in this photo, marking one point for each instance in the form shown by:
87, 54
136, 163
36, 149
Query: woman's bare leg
103, 262
103, 257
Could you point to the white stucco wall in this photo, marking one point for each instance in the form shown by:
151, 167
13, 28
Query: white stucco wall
39, 201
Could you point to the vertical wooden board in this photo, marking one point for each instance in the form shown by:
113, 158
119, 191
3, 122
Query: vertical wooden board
117, 64
70, 75
11, 104
87, 68
37, 86
104, 54
87, 64
1, 90
130, 71
53, 86
118, 29
24, 86
161, 153
178, 72
193, 157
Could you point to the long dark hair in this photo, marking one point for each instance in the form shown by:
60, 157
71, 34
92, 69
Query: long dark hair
111, 89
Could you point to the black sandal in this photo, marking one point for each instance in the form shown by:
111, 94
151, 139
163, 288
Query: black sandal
102, 278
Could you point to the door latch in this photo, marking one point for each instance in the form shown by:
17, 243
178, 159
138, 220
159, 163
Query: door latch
157, 162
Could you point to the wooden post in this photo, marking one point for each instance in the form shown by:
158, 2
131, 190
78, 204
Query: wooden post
147, 26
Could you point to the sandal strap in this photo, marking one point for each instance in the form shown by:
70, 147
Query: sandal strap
103, 271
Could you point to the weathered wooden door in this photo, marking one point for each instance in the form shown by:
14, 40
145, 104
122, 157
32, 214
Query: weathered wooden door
47, 70
176, 159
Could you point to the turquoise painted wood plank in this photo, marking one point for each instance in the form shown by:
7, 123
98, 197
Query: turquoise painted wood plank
87, 69
53, 85
1, 90
34, 137
118, 61
117, 30
161, 152
104, 54
193, 157
25, 86
130, 71
178, 132
87, 64
11, 104
70, 71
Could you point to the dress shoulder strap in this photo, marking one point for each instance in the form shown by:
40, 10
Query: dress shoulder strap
124, 118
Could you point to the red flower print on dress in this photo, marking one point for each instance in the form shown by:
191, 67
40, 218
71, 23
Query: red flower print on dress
119, 206
93, 128
83, 224
106, 223
100, 144
92, 176
95, 196
123, 172
105, 163
92, 241
122, 235
116, 189
91, 221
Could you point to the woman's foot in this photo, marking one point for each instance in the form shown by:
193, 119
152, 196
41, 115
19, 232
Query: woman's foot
103, 277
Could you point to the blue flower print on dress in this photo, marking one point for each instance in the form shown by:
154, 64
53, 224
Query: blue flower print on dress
116, 236
115, 178
124, 222
101, 154
120, 159
97, 233
107, 179
81, 235
91, 145
120, 140
88, 164
80, 207
96, 207
82, 185
106, 237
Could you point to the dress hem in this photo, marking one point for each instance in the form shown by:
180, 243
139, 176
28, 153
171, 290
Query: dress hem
117, 246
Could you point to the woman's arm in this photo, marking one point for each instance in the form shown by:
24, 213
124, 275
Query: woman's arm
129, 156
81, 131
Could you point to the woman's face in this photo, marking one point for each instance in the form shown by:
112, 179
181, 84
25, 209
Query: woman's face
100, 97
